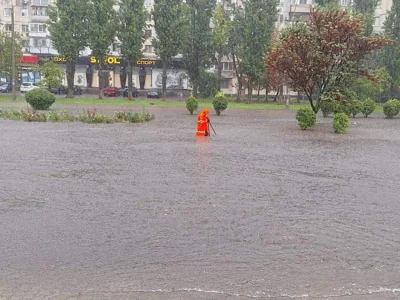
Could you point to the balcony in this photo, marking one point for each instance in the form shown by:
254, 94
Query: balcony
40, 19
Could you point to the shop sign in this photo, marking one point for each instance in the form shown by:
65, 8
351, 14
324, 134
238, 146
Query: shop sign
111, 60
146, 62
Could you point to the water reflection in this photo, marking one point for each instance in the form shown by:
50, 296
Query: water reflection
202, 151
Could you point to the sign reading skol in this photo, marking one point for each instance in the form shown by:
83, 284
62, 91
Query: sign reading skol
111, 60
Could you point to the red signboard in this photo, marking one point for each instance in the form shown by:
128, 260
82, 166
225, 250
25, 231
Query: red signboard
29, 59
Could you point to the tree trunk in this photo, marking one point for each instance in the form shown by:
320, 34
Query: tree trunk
164, 80
258, 92
195, 85
250, 92
276, 95
129, 72
70, 70
219, 72
239, 91
100, 75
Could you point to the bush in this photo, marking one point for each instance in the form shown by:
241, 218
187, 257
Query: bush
306, 118
192, 104
367, 107
220, 103
34, 117
327, 107
90, 116
340, 122
391, 108
355, 107
40, 99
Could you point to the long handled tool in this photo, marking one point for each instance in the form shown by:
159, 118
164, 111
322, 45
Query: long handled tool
212, 127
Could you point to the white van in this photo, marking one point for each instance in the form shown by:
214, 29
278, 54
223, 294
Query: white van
28, 86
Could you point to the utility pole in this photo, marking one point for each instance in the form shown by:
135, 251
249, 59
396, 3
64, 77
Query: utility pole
14, 91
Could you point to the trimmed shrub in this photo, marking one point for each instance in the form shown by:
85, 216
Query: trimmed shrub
220, 103
306, 118
192, 104
355, 107
367, 107
340, 122
40, 99
391, 108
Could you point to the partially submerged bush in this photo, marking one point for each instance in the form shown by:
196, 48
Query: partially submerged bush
391, 108
367, 107
133, 117
220, 103
192, 104
90, 116
40, 99
306, 118
340, 122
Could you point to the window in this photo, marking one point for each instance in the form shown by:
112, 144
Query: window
7, 12
148, 49
379, 5
25, 43
281, 4
227, 66
148, 2
116, 47
377, 21
148, 17
39, 11
7, 27
40, 2
40, 43
24, 12
225, 83
38, 28
280, 18
303, 1
344, 2
148, 33
25, 27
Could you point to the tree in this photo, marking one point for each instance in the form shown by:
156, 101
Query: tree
6, 54
132, 22
51, 73
391, 53
219, 40
102, 30
366, 8
197, 49
327, 3
323, 53
170, 33
68, 28
258, 22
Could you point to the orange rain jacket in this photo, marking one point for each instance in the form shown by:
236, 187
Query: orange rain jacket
203, 123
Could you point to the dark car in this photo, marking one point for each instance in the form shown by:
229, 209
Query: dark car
154, 94
63, 90
124, 92
111, 92
5, 87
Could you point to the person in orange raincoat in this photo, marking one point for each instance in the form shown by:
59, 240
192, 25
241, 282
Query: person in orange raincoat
203, 127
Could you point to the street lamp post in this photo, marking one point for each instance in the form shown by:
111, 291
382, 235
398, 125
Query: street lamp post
14, 91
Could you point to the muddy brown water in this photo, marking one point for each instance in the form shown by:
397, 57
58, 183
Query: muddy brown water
147, 211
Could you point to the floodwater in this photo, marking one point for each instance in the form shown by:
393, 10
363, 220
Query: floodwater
147, 211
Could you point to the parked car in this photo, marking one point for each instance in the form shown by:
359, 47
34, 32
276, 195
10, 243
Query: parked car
28, 86
111, 92
63, 90
5, 87
154, 94
124, 92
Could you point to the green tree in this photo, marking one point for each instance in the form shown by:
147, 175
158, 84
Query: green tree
366, 8
68, 29
391, 53
102, 30
323, 54
5, 57
258, 22
197, 50
51, 73
221, 29
131, 17
327, 3
170, 32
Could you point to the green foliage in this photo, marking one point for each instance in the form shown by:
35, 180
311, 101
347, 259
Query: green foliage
133, 117
220, 103
91, 116
132, 23
367, 107
354, 108
366, 88
40, 99
69, 35
256, 21
327, 107
5, 57
197, 49
10, 114
340, 122
391, 108
34, 117
306, 118
192, 104
207, 84
51, 73
366, 8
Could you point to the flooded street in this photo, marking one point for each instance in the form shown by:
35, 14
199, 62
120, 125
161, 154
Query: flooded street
147, 211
